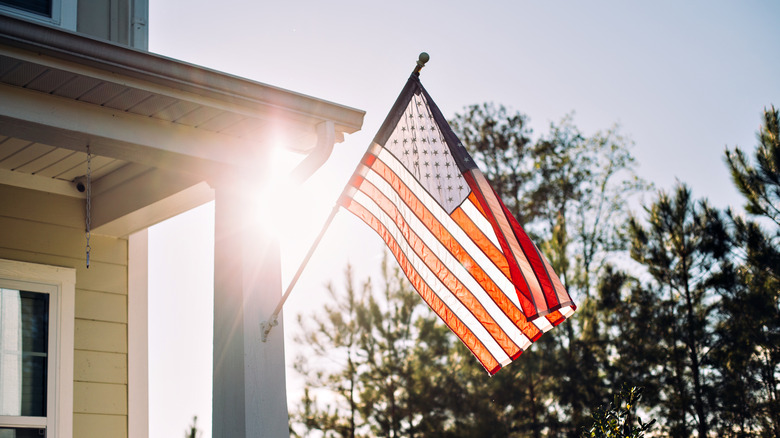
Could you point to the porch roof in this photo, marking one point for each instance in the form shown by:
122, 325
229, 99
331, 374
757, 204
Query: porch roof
158, 127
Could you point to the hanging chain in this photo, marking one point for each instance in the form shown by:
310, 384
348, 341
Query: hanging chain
89, 202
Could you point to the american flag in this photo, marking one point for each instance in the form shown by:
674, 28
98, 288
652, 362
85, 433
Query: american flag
458, 244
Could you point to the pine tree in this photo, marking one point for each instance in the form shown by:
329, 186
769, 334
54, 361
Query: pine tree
760, 184
631, 314
387, 340
748, 352
335, 336
683, 249
389, 374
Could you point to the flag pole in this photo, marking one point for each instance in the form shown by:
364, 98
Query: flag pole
273, 320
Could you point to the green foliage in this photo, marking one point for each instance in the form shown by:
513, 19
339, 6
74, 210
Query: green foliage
630, 311
747, 355
328, 419
683, 249
760, 184
193, 431
387, 364
501, 145
616, 420
335, 337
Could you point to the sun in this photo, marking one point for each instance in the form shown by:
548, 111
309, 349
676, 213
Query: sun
290, 211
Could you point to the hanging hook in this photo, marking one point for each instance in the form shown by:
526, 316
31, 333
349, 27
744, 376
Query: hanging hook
88, 214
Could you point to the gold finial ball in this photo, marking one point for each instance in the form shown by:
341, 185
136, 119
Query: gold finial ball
424, 57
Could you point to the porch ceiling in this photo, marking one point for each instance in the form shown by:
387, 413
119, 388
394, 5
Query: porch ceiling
146, 118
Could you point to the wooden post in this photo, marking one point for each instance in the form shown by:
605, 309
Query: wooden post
249, 395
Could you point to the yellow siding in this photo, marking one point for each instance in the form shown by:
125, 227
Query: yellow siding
99, 426
100, 276
37, 206
44, 228
101, 306
98, 367
100, 336
61, 240
99, 398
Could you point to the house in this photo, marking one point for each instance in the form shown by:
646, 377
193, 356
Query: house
99, 140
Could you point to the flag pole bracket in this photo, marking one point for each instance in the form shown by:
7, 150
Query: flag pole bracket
265, 328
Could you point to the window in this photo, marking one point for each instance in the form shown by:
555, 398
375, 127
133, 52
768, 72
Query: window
36, 350
40, 7
60, 13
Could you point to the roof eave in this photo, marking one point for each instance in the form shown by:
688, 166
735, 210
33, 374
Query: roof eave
157, 69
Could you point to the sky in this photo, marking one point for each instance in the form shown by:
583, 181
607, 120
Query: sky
683, 80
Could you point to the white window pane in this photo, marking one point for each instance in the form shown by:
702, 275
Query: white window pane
24, 329
15, 432
41, 7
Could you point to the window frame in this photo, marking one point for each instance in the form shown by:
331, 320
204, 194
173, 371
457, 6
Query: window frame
63, 14
60, 284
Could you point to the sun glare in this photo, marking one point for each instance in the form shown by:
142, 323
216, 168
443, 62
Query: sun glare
275, 200
287, 209
294, 213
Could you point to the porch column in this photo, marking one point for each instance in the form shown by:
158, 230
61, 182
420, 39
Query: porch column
138, 334
249, 395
